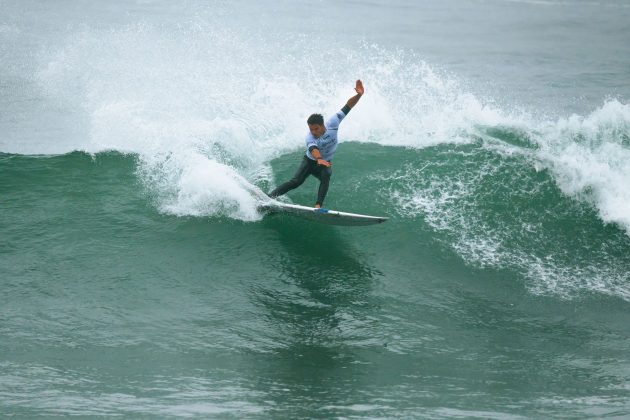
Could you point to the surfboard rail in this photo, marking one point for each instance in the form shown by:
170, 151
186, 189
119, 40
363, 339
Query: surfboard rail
324, 215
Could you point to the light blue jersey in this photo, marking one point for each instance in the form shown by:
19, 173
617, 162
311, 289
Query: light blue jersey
327, 142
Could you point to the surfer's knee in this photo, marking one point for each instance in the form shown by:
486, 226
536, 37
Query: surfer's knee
295, 182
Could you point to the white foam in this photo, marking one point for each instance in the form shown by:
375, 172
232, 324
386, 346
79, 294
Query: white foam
205, 187
589, 158
459, 207
198, 138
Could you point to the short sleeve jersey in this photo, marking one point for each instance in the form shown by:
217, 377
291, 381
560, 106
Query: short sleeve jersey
327, 142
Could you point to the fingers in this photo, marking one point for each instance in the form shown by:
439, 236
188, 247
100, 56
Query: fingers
359, 87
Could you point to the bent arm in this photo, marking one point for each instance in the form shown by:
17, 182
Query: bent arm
318, 157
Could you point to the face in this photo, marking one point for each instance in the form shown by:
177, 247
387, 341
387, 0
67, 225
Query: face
317, 130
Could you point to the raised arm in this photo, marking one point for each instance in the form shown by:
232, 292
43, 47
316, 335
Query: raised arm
353, 101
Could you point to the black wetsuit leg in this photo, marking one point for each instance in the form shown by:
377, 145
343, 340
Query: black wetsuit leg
323, 174
307, 166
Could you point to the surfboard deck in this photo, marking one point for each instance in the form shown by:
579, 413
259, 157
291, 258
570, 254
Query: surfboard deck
322, 215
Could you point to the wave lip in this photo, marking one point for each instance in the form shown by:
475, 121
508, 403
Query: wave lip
589, 159
549, 201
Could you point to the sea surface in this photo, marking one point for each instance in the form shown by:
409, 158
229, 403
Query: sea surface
139, 279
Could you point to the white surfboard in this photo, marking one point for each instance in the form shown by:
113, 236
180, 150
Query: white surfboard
331, 217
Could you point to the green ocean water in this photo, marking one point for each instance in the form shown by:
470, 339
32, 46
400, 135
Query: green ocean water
139, 279
110, 307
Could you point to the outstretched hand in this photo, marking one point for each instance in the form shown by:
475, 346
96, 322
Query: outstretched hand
359, 87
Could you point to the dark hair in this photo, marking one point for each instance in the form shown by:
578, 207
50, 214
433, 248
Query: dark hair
315, 119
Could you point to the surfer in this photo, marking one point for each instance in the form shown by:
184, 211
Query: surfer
321, 144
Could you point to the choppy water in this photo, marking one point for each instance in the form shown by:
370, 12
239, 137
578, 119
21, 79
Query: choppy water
138, 278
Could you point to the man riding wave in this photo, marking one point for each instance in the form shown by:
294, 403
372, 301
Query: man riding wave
321, 144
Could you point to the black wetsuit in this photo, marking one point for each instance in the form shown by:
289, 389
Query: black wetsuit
307, 167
